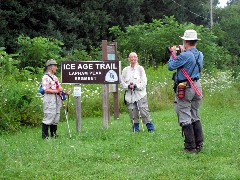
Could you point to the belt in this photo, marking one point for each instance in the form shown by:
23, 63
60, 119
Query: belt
185, 80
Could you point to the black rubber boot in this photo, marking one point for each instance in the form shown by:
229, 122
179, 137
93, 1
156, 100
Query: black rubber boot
53, 131
189, 142
197, 127
44, 131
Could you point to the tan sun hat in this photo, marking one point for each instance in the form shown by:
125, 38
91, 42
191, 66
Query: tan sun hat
51, 62
190, 35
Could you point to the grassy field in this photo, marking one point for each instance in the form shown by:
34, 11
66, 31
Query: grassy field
118, 153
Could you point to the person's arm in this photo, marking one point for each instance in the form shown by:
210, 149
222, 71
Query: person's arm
52, 91
143, 80
178, 62
125, 86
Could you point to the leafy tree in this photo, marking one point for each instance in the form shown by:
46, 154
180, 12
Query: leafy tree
227, 28
196, 12
18, 98
231, 2
79, 24
12, 15
34, 52
124, 12
83, 24
150, 41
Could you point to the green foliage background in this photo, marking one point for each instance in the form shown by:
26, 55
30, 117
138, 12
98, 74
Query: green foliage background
22, 72
33, 31
83, 24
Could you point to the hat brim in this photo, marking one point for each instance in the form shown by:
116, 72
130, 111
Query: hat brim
51, 64
189, 39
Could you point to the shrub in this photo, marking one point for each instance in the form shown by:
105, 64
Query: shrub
34, 52
149, 41
18, 106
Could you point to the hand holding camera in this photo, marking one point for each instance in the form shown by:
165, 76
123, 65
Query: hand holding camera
173, 51
177, 49
181, 48
132, 86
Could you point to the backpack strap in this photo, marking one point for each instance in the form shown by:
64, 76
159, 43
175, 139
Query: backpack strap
50, 77
197, 63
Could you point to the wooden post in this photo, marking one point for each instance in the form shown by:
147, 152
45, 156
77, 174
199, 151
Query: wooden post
105, 90
113, 88
78, 109
115, 94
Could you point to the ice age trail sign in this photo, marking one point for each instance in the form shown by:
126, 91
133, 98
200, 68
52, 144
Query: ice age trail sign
90, 72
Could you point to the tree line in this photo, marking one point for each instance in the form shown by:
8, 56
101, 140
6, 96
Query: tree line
83, 24
79, 26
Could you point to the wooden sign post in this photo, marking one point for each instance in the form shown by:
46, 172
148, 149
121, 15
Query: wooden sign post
113, 88
105, 90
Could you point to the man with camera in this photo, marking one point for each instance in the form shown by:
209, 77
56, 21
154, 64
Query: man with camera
188, 64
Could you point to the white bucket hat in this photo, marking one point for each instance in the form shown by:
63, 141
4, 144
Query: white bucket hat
190, 35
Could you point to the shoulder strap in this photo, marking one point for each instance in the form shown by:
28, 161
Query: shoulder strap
50, 77
197, 63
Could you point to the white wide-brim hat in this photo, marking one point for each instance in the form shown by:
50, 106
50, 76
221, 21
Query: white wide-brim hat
190, 35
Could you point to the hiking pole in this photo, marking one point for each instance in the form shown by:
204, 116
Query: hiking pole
133, 117
186, 74
139, 115
66, 114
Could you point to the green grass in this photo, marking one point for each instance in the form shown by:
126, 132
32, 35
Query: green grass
118, 153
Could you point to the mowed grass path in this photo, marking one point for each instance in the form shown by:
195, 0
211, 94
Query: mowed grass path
118, 153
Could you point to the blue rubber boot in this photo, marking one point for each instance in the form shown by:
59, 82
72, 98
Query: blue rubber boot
150, 127
136, 127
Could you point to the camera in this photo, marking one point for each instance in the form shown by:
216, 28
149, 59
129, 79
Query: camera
179, 49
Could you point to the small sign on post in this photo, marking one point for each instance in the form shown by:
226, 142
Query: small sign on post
77, 93
111, 54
